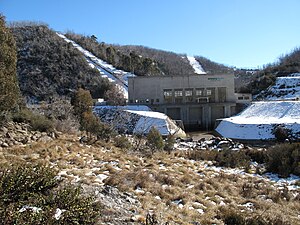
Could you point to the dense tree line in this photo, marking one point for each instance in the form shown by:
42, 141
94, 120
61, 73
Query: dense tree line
171, 64
9, 89
48, 66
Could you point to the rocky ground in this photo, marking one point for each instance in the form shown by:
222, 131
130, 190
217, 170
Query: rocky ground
177, 190
20, 134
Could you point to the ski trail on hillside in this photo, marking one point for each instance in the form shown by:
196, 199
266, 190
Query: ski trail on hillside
196, 65
105, 69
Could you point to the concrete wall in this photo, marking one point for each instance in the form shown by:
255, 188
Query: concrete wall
151, 89
197, 100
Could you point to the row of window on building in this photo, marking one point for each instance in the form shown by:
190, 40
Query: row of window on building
199, 95
188, 92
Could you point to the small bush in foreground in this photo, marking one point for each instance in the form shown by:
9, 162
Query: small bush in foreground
232, 217
284, 159
122, 142
226, 158
31, 195
155, 140
281, 133
37, 121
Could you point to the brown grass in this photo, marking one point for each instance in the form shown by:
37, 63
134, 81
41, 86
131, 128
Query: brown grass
165, 176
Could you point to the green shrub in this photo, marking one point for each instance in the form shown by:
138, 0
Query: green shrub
169, 143
284, 159
229, 158
155, 140
259, 156
20, 183
281, 133
37, 121
31, 195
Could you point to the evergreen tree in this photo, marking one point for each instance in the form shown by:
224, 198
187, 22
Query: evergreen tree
82, 102
155, 140
9, 89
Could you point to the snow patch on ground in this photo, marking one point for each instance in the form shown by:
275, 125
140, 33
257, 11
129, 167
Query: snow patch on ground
258, 120
196, 65
32, 208
58, 213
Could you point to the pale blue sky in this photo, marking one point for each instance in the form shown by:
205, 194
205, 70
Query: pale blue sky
242, 33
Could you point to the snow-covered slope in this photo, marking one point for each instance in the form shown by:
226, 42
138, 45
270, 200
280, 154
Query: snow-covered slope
284, 88
106, 70
196, 65
259, 120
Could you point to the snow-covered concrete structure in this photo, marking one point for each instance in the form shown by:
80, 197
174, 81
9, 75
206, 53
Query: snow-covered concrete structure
138, 119
258, 121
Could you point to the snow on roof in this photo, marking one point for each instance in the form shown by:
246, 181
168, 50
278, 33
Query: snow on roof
258, 120
140, 119
196, 65
160, 121
126, 107
149, 114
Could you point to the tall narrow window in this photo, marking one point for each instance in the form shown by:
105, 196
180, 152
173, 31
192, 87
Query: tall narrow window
211, 94
168, 95
199, 91
189, 95
178, 93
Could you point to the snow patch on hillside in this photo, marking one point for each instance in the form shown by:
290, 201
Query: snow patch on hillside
284, 88
105, 69
258, 121
196, 65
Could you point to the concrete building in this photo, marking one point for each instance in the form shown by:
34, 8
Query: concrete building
196, 100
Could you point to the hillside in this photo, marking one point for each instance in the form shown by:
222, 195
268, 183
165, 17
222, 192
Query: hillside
47, 66
287, 64
132, 62
284, 88
145, 61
